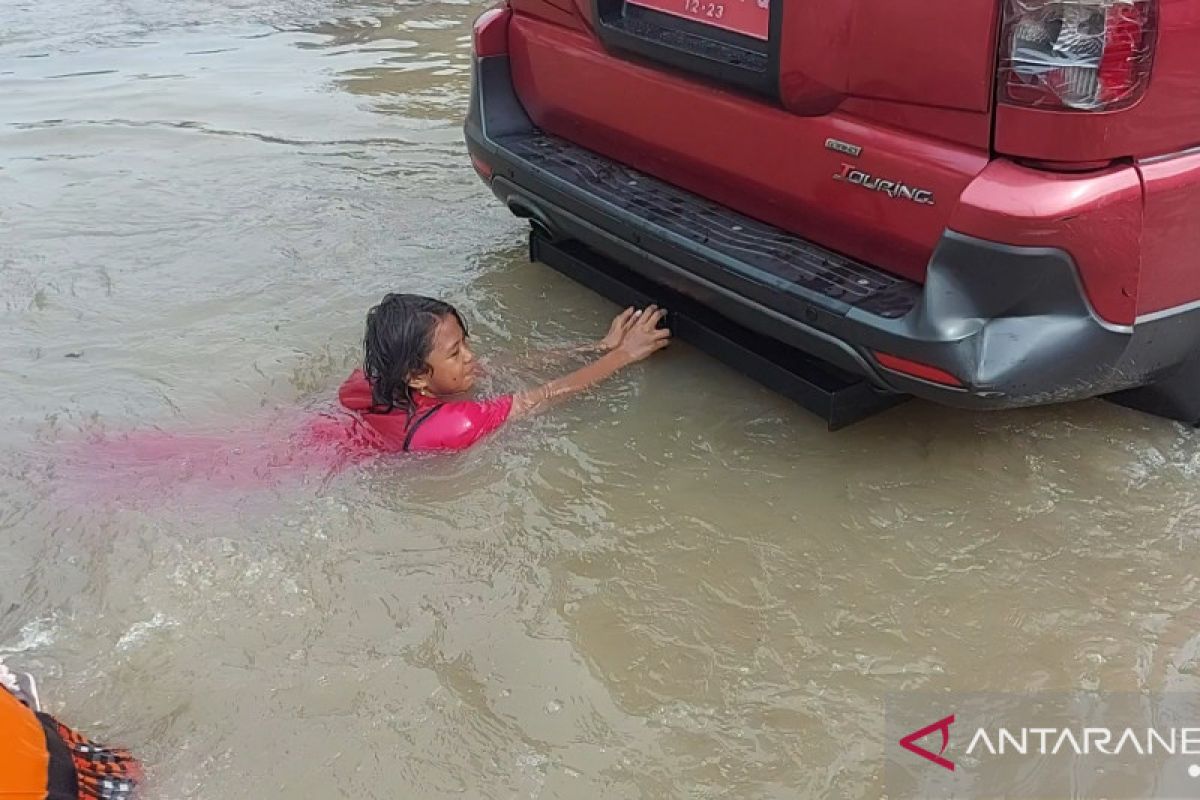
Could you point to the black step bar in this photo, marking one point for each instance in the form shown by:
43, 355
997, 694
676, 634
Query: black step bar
836, 396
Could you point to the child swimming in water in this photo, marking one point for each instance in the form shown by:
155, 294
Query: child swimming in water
409, 395
418, 365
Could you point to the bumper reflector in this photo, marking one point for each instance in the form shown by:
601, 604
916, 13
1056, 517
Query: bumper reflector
482, 167
915, 369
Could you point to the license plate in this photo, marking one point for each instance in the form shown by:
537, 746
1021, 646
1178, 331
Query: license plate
749, 17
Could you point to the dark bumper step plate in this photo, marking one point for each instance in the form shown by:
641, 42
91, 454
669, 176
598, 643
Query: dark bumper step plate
739, 239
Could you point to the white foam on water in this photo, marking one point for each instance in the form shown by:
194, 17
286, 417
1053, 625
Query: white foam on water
138, 631
34, 635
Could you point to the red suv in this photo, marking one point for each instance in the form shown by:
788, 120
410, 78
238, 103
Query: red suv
985, 203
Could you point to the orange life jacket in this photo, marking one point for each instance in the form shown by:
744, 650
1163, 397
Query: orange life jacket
24, 754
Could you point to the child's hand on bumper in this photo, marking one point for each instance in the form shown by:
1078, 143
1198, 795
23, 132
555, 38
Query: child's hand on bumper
619, 327
643, 337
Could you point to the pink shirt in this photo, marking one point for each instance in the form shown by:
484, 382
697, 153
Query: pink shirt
436, 424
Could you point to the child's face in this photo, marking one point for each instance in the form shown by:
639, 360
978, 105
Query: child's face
452, 366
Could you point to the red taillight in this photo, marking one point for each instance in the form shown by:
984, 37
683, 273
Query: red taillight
1081, 55
490, 32
915, 369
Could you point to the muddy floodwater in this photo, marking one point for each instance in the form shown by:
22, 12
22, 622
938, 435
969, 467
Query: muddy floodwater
681, 586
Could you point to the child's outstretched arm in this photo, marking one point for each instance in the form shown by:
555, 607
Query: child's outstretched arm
545, 357
634, 336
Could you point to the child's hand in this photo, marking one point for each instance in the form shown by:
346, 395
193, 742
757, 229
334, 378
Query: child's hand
643, 337
620, 326
637, 336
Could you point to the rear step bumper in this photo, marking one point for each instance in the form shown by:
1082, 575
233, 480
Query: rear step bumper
1011, 324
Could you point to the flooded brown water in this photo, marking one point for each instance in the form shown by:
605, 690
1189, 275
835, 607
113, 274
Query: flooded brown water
681, 586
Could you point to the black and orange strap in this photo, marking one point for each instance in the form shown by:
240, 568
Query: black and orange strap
62, 782
101, 773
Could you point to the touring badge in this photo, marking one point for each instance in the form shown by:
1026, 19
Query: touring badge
897, 189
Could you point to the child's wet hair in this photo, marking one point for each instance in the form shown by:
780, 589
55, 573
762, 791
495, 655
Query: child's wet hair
397, 344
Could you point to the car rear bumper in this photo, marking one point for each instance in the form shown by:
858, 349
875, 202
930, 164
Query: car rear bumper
993, 326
